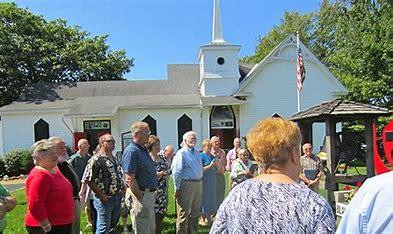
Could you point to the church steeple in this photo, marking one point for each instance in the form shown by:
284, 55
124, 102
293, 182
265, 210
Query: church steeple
218, 62
217, 37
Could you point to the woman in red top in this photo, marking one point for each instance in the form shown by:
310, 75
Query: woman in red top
50, 205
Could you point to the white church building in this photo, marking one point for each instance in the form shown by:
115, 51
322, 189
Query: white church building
218, 96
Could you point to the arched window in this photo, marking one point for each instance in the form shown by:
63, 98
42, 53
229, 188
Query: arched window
184, 124
152, 124
41, 130
223, 125
222, 117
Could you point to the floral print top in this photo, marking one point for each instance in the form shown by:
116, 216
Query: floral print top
256, 206
161, 203
95, 173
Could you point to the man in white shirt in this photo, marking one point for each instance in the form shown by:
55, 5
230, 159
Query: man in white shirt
370, 210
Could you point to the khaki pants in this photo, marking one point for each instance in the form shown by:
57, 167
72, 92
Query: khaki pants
76, 226
188, 207
142, 212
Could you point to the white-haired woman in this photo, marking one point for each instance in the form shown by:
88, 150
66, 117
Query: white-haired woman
50, 204
242, 167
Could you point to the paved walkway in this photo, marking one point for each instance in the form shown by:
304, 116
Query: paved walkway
12, 185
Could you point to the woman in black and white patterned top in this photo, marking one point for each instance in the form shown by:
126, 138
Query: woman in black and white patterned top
273, 202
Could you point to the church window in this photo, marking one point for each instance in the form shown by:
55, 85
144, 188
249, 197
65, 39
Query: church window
41, 130
222, 117
184, 124
152, 124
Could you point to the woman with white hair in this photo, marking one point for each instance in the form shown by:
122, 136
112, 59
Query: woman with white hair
242, 167
50, 205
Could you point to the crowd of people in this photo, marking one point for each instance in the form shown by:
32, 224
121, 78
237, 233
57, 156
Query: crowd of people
280, 197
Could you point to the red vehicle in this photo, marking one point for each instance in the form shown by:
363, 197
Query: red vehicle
387, 140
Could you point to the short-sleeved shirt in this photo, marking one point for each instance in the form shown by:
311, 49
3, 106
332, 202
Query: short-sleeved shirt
312, 163
79, 163
3, 192
136, 160
369, 210
95, 173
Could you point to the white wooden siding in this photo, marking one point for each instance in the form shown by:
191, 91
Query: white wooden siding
274, 91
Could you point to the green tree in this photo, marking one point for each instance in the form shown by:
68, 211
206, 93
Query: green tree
290, 24
34, 50
362, 55
323, 40
354, 39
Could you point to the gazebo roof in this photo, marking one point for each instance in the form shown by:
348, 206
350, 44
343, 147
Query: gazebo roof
339, 108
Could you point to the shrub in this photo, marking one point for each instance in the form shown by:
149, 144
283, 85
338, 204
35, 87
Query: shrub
26, 161
17, 162
2, 168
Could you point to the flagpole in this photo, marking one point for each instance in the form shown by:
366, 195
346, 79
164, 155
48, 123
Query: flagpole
298, 100
298, 91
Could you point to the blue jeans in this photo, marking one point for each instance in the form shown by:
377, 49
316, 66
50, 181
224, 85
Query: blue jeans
107, 214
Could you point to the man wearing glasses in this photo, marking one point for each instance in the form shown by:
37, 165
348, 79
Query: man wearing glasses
104, 177
311, 168
140, 176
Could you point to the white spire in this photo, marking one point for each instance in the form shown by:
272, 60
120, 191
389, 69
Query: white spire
217, 37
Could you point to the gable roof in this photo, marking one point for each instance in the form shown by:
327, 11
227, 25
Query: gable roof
106, 97
275, 53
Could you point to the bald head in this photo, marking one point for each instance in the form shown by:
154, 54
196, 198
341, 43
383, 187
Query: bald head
83, 147
168, 151
236, 142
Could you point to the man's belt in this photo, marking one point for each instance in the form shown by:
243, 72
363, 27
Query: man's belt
148, 189
192, 180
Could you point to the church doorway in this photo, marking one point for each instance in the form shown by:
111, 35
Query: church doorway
223, 125
94, 129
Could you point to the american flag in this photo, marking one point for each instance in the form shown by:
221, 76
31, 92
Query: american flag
301, 71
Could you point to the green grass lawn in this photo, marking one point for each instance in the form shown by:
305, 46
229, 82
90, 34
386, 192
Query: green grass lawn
15, 218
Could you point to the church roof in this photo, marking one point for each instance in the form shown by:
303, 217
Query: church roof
105, 97
276, 54
340, 109
244, 69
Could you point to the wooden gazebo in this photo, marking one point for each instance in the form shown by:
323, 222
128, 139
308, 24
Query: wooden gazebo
331, 113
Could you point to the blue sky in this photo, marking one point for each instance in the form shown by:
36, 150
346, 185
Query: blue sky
161, 32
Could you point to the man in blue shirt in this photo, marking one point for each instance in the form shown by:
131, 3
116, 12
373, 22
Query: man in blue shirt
140, 176
187, 171
370, 210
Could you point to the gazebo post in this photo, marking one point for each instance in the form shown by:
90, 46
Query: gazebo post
368, 132
306, 130
331, 160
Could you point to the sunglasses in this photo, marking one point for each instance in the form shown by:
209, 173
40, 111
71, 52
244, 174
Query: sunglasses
110, 141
